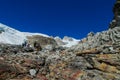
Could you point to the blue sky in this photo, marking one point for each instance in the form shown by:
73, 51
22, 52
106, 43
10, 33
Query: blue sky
73, 18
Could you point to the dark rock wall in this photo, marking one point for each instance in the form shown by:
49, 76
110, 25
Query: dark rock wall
116, 19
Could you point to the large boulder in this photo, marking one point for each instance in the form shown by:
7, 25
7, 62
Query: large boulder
43, 41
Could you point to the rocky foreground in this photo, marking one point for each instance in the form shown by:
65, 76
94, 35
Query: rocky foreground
96, 57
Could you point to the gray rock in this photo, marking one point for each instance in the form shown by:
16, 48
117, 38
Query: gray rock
49, 47
79, 63
32, 72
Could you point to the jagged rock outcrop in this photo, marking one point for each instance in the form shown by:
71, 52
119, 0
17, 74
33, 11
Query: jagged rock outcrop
100, 40
116, 20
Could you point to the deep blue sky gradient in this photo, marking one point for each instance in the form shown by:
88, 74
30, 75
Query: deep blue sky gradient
73, 18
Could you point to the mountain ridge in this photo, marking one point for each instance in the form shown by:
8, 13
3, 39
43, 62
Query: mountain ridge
12, 36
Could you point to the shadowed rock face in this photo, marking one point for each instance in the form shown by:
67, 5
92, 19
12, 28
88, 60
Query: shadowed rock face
116, 20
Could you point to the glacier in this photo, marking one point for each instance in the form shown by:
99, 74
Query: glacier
10, 35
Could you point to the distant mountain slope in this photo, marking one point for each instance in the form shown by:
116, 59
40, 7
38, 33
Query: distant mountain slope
66, 41
12, 36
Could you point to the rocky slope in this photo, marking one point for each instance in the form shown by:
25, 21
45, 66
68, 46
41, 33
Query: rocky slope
60, 64
96, 57
101, 39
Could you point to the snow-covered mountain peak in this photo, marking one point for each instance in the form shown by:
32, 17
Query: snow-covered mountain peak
57, 38
66, 41
70, 41
6, 28
13, 36
10, 35
32, 34
3, 26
